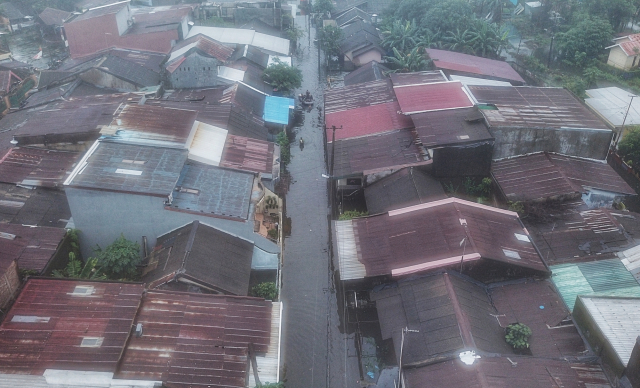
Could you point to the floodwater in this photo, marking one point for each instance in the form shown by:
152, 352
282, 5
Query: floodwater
25, 44
316, 351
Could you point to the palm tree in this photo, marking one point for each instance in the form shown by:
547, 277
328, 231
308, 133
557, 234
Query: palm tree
401, 35
487, 39
458, 41
407, 63
430, 39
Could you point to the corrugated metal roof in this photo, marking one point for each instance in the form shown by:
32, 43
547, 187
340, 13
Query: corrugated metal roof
371, 71
202, 43
42, 207
242, 36
619, 321
374, 153
269, 363
357, 35
33, 247
242, 153
230, 73
105, 312
204, 256
428, 237
429, 97
450, 313
130, 71
366, 120
406, 187
508, 372
417, 78
195, 339
572, 233
631, 260
36, 166
208, 144
612, 104
352, 15
449, 127
452, 61
358, 96
349, 264
276, 109
536, 304
246, 97
213, 191
150, 125
478, 81
601, 278
535, 107
129, 168
548, 175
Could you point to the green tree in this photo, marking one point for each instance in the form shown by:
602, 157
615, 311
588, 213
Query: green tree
282, 76
517, 335
449, 15
75, 270
266, 290
617, 12
293, 33
120, 259
323, 6
458, 41
330, 40
401, 35
429, 39
409, 62
486, 39
285, 153
629, 146
408, 10
584, 41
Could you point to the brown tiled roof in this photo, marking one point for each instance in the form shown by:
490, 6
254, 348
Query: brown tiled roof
62, 320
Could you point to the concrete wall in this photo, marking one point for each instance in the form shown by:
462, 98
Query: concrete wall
618, 58
9, 284
586, 143
196, 71
101, 217
101, 78
122, 19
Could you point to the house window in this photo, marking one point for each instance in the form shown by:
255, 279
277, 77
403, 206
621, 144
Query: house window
83, 291
91, 342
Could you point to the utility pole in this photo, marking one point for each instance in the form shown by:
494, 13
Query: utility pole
404, 331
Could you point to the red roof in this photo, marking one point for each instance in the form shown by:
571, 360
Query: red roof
50, 320
629, 44
449, 60
196, 340
36, 166
367, 120
430, 97
33, 247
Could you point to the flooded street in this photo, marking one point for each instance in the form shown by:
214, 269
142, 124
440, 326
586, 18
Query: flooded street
316, 352
25, 44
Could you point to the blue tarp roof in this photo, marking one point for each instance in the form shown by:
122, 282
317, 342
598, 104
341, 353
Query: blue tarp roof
276, 109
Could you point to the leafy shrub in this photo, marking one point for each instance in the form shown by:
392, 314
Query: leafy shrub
273, 234
349, 214
517, 335
266, 290
285, 153
120, 259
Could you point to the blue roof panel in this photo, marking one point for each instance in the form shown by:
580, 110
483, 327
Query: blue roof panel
276, 109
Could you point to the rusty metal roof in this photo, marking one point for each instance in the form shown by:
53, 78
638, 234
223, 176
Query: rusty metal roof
204, 256
450, 312
366, 120
470, 64
151, 125
503, 372
534, 107
36, 166
39, 206
196, 339
213, 191
128, 168
33, 247
358, 96
420, 98
243, 153
51, 318
245, 97
536, 304
372, 71
202, 43
546, 175
433, 236
406, 187
449, 127
374, 153
417, 78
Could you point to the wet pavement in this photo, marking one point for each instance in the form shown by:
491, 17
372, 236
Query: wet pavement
25, 44
316, 351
